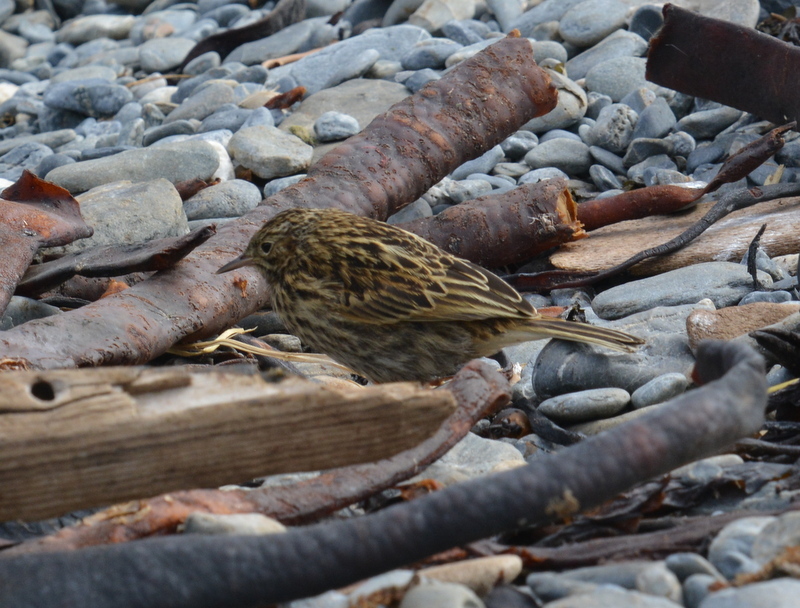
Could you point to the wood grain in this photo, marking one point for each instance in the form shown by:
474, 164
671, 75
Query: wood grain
725, 241
71, 439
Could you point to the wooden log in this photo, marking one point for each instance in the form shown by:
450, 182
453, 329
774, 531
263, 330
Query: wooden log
71, 439
725, 241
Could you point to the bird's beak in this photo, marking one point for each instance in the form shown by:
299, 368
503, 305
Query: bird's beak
242, 260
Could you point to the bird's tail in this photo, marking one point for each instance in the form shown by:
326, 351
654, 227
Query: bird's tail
583, 332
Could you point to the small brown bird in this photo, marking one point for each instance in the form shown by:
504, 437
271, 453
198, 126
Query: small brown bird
389, 304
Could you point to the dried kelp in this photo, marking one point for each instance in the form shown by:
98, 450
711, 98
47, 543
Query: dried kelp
660, 199
112, 261
509, 228
35, 213
390, 164
755, 73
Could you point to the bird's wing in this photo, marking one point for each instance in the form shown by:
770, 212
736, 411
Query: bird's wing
424, 283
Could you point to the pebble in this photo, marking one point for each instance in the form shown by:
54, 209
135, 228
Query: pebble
567, 367
333, 126
480, 574
91, 97
124, 213
613, 129
621, 43
472, 457
604, 178
315, 71
431, 16
416, 210
585, 405
571, 157
431, 53
203, 102
730, 551
724, 283
538, 175
706, 124
589, 22
467, 189
442, 595
235, 523
176, 162
733, 321
685, 565
659, 389
549, 10
697, 588
779, 593
570, 107
483, 164
655, 120
644, 148
646, 21
20, 310
269, 152
617, 77
227, 199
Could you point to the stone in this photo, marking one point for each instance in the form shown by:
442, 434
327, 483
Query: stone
570, 108
269, 152
433, 14
707, 124
335, 126
660, 389
585, 405
656, 120
571, 157
613, 129
589, 22
549, 10
646, 21
232, 198
203, 102
730, 551
483, 164
619, 44
778, 593
564, 367
234, 523
92, 27
124, 213
617, 77
442, 595
431, 53
175, 162
472, 457
92, 97
315, 74
733, 321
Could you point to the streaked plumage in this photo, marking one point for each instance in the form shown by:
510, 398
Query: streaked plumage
391, 305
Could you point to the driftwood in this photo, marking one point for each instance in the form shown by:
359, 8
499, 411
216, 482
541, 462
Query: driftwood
727, 240
478, 388
77, 438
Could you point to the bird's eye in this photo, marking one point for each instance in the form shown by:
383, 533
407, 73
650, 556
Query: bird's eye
265, 247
